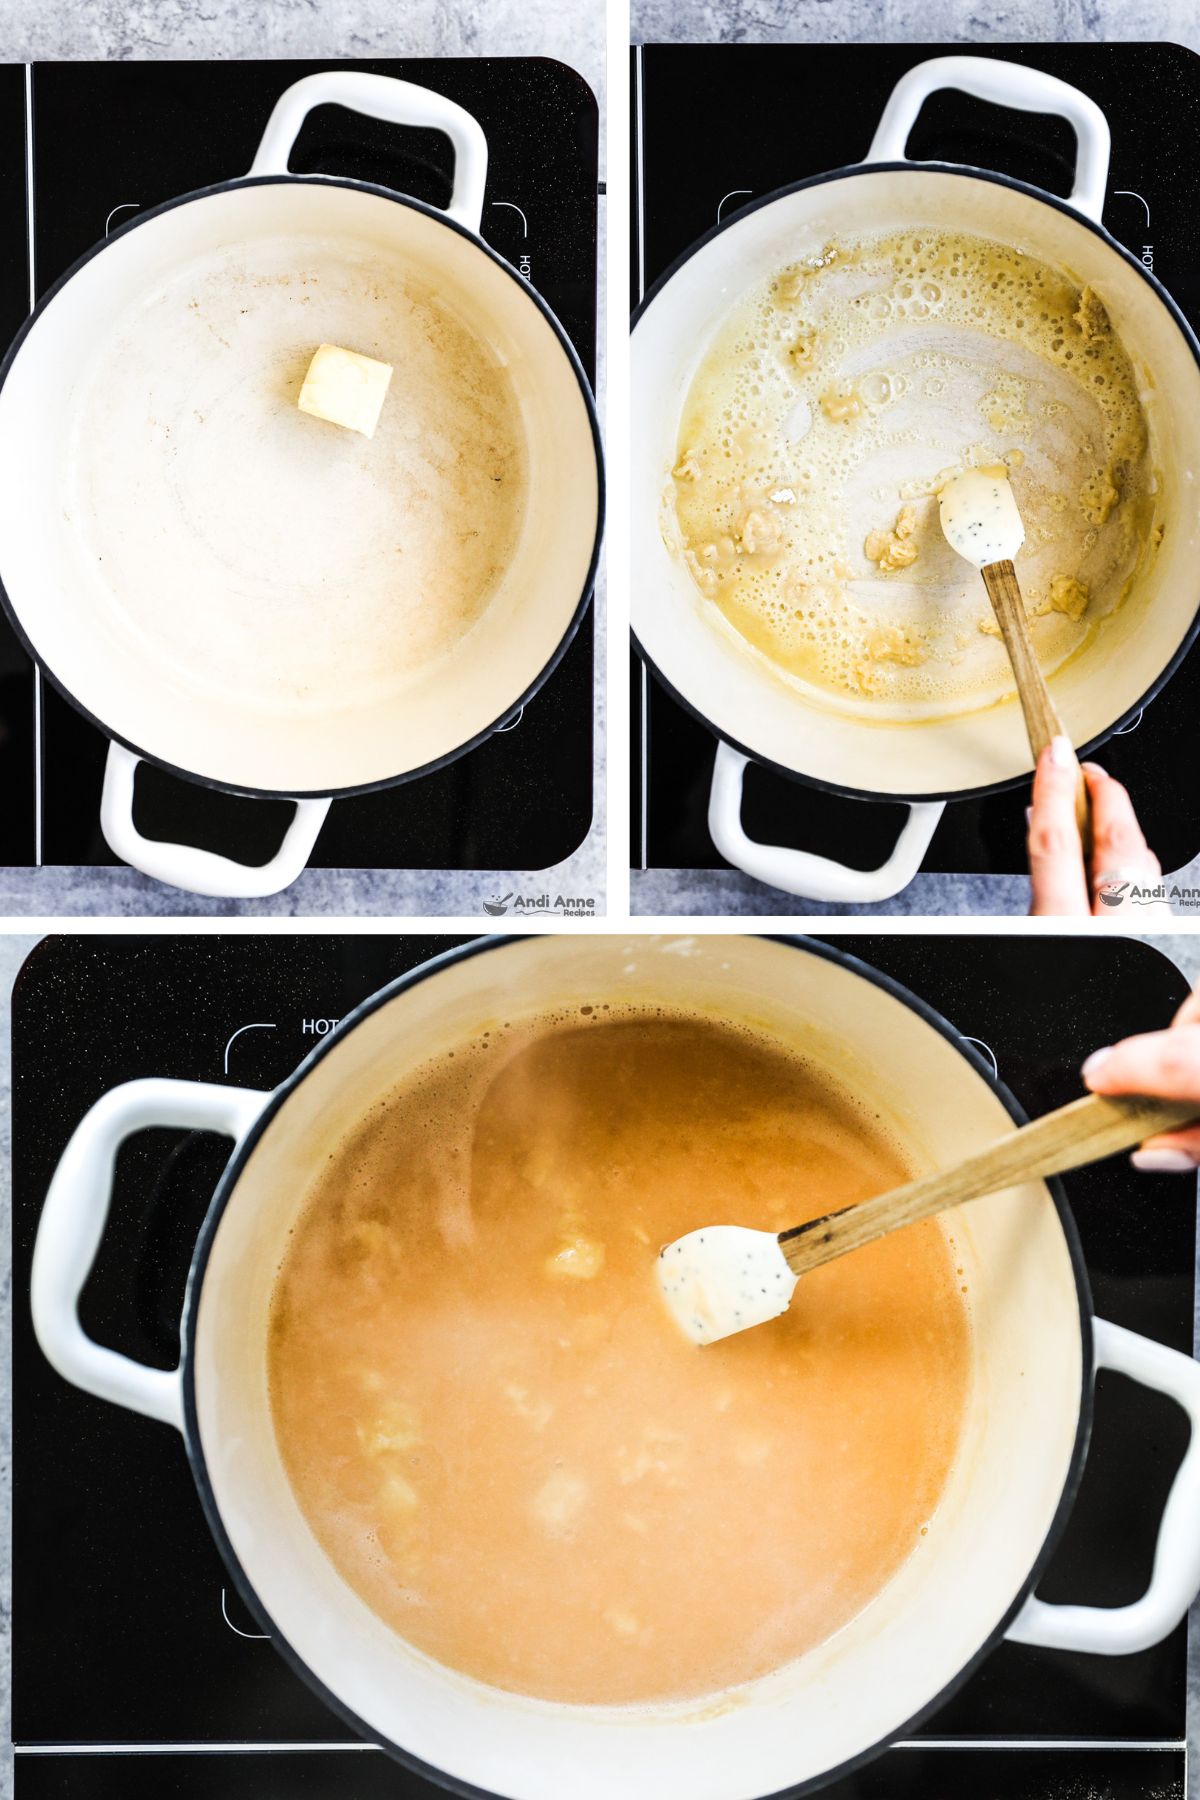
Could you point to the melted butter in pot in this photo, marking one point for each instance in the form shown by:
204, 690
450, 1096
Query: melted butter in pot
829, 410
497, 1431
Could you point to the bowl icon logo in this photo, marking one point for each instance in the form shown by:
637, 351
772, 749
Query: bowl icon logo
497, 908
1111, 893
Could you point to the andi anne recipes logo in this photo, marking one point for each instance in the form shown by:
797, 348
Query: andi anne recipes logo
561, 906
1117, 892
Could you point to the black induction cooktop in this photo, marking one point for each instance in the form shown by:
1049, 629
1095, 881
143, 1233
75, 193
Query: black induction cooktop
903, 1775
135, 1668
85, 145
773, 114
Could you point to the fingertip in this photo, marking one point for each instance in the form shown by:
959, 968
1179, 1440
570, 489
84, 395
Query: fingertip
1095, 1064
1099, 784
1056, 768
1164, 1162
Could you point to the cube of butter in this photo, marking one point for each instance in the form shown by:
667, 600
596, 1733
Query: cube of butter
345, 388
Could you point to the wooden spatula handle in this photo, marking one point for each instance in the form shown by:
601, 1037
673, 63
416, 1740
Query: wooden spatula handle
1084, 1132
1042, 721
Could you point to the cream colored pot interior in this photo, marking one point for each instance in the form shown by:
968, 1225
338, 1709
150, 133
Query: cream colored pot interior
736, 691
937, 1612
281, 697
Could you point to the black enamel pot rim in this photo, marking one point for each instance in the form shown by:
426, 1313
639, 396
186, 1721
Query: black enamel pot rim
568, 349
283, 1093
965, 172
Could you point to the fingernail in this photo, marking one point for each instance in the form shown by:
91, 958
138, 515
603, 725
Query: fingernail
1095, 1062
1028, 817
1164, 1162
1061, 753
1094, 768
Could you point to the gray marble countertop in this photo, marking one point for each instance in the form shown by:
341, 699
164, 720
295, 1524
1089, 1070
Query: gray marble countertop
910, 21
1181, 948
46, 30
668, 892
672, 893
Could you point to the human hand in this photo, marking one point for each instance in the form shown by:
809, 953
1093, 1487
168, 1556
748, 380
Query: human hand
1063, 883
1166, 1065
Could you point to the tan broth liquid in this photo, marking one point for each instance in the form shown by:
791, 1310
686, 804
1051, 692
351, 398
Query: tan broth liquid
501, 1438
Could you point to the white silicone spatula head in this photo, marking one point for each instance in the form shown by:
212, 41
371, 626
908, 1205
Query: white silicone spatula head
724, 1278
979, 516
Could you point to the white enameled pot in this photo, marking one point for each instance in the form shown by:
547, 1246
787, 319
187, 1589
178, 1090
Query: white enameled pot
970, 1583
236, 695
754, 715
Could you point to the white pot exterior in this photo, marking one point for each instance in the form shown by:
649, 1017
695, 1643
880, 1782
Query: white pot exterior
733, 689
337, 737
963, 1587
940, 1609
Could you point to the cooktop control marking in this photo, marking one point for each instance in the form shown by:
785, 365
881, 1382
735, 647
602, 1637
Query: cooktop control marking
733, 194
524, 266
237, 1034
987, 1051
513, 207
257, 1637
122, 206
1147, 249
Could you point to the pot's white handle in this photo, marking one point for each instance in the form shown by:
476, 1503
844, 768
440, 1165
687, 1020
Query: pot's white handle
1004, 84
73, 1220
1175, 1581
200, 871
799, 871
397, 102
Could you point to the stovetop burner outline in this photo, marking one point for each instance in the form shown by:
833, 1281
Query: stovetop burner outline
204, 1008
528, 806
673, 751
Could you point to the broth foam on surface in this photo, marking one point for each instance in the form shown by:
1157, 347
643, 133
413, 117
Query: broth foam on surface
838, 397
